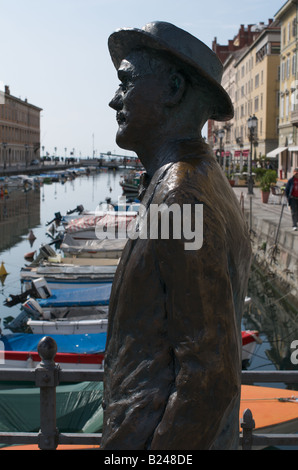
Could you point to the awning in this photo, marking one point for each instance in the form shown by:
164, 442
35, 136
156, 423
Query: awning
275, 152
244, 153
293, 149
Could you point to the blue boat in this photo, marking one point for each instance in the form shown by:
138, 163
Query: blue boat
91, 296
70, 308
79, 344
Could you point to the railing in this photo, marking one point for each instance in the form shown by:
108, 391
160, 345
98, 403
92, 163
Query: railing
47, 376
249, 439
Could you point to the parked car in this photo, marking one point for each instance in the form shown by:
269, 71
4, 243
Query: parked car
34, 162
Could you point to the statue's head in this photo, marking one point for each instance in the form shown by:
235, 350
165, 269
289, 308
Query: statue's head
156, 66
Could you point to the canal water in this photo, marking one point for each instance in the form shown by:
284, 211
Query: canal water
274, 313
32, 210
271, 311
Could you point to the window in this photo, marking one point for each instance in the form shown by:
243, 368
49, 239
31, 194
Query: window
282, 103
294, 27
256, 103
283, 71
293, 99
257, 81
288, 67
294, 64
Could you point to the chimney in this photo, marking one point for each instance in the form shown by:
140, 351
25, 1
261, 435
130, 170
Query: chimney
7, 90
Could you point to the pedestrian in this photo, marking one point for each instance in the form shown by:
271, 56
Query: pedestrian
291, 192
172, 373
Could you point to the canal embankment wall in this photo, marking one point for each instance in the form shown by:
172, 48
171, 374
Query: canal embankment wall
274, 243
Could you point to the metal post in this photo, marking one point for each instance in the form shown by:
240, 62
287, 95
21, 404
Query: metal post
248, 425
250, 180
46, 377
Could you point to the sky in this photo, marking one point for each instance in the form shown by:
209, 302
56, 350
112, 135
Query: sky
55, 54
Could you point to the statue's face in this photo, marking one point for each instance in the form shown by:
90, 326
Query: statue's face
138, 101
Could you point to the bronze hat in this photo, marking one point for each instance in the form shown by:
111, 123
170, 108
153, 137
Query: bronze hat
163, 36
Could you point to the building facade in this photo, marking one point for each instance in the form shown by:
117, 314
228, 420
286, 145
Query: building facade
287, 149
251, 77
19, 131
257, 88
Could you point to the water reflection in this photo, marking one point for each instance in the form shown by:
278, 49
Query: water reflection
19, 212
274, 313
32, 210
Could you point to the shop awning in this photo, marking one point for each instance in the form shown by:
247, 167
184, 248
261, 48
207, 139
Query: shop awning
293, 149
275, 152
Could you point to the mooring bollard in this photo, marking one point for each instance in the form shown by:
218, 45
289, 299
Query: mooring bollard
47, 378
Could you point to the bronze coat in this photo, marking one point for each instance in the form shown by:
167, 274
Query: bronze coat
173, 356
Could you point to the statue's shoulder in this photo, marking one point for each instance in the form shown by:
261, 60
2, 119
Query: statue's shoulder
193, 172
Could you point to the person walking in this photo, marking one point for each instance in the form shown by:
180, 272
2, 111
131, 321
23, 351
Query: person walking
291, 192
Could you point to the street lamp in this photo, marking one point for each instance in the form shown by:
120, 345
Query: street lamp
221, 134
26, 154
252, 125
4, 145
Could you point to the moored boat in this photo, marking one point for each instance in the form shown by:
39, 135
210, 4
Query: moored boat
131, 182
250, 340
66, 275
31, 359
274, 410
67, 327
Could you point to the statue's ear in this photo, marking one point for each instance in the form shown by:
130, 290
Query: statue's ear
176, 89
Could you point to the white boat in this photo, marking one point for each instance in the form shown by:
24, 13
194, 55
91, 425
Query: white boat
90, 226
81, 246
67, 275
67, 327
99, 236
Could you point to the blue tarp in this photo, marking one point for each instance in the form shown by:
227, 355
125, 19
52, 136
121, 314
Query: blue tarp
98, 295
80, 344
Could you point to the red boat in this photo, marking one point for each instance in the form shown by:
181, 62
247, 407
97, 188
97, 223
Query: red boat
24, 360
250, 339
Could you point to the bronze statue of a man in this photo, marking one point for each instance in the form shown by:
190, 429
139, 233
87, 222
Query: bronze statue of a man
173, 354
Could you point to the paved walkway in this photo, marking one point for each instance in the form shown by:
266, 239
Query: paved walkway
278, 247
270, 212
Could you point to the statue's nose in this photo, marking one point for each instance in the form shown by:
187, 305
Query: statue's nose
116, 102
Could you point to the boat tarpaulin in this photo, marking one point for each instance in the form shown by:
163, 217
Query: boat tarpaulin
97, 295
90, 343
78, 407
